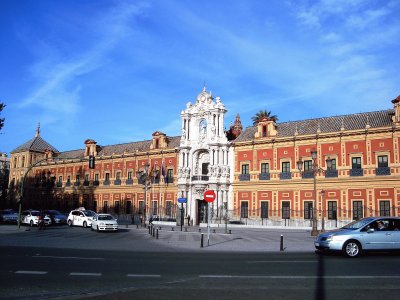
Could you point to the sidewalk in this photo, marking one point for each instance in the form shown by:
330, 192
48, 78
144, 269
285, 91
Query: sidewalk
238, 240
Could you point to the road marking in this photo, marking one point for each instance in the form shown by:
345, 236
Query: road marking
31, 272
298, 277
281, 261
68, 257
84, 274
143, 275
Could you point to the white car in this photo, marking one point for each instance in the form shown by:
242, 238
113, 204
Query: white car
31, 217
81, 217
104, 222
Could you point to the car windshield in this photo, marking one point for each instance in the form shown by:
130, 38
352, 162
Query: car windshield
357, 224
89, 213
105, 217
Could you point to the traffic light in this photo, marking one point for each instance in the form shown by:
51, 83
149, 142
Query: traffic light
92, 162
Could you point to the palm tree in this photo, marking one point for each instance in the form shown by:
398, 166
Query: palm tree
261, 114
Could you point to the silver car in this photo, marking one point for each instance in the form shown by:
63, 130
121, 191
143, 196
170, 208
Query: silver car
375, 233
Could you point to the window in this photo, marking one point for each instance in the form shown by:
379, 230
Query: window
154, 208
116, 207
333, 167
308, 165
105, 207
69, 179
357, 210
285, 167
23, 161
118, 176
264, 210
77, 178
264, 168
332, 210
141, 207
128, 207
168, 209
384, 208
285, 210
15, 162
130, 175
170, 173
60, 179
96, 177
356, 163
86, 177
245, 169
264, 131
382, 161
107, 176
244, 209
308, 210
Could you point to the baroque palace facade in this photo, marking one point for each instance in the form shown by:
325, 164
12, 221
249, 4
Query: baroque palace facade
339, 168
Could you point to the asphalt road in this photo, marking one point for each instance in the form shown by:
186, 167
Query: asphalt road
53, 272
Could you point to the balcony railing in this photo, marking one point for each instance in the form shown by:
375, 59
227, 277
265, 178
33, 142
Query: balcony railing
96, 183
382, 171
59, 184
117, 182
86, 183
331, 173
244, 177
264, 176
68, 183
286, 175
129, 181
200, 178
106, 182
307, 174
170, 179
77, 183
356, 172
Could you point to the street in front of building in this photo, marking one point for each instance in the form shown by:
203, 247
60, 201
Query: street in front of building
63, 262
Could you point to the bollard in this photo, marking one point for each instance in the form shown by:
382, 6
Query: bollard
172, 228
230, 231
137, 226
157, 234
201, 240
159, 227
154, 231
213, 230
149, 230
281, 242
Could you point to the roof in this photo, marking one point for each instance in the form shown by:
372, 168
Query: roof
359, 121
119, 149
36, 144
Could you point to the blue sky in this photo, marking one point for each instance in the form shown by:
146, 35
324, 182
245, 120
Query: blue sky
116, 71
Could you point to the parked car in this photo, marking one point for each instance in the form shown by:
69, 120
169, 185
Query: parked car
8, 216
368, 234
31, 218
81, 217
104, 222
56, 217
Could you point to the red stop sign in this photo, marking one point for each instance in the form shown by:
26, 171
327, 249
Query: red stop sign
209, 195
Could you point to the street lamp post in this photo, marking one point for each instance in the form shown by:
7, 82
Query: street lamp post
323, 211
144, 177
315, 169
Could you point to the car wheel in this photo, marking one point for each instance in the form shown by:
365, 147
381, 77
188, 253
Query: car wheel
352, 248
84, 224
69, 223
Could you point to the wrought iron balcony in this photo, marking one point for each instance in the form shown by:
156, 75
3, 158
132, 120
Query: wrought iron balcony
129, 181
244, 177
264, 176
307, 174
96, 183
285, 175
331, 173
59, 184
382, 171
106, 182
68, 183
200, 178
155, 180
170, 179
77, 183
86, 183
356, 172
117, 182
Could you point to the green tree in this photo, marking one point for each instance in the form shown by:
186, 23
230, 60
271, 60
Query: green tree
261, 114
2, 105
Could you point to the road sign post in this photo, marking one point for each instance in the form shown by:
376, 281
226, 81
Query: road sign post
209, 197
181, 201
